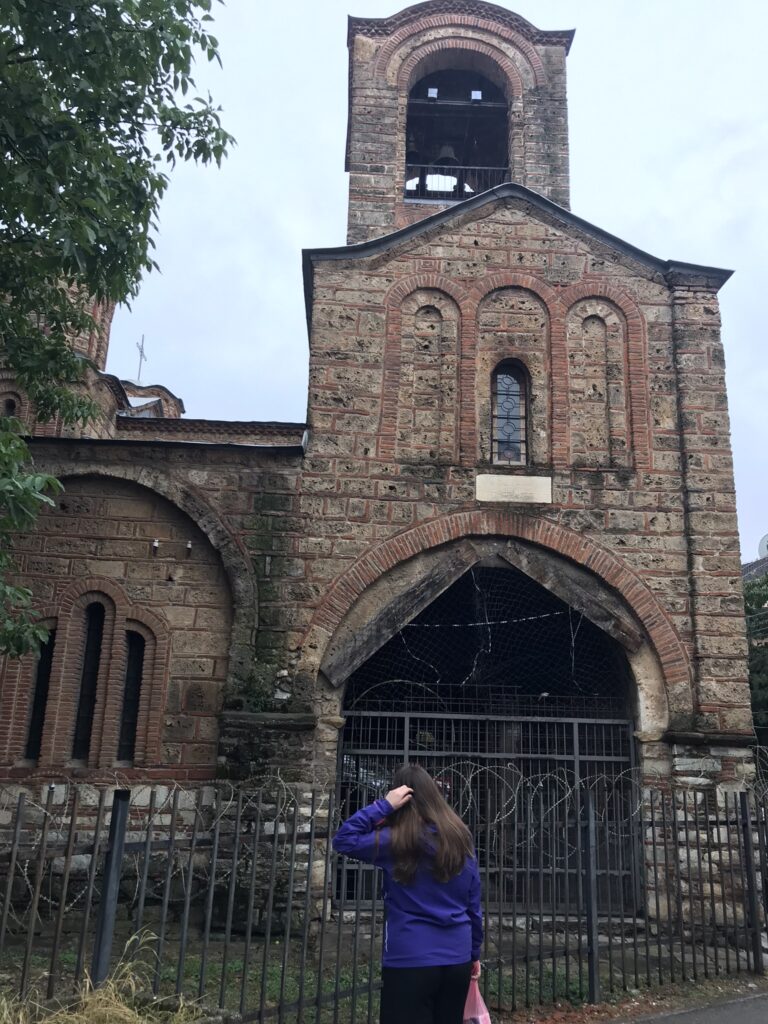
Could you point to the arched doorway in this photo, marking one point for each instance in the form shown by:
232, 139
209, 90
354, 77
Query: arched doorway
516, 702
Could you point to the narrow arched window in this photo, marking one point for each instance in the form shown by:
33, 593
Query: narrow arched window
9, 405
89, 678
510, 411
134, 671
40, 698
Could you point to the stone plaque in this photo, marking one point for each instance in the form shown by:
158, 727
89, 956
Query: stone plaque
522, 490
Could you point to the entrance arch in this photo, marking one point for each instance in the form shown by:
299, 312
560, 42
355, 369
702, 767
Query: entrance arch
511, 695
426, 556
496, 677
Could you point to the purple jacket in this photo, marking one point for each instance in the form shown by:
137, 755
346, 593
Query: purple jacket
428, 923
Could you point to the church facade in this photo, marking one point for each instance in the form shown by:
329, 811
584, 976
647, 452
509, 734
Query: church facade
506, 532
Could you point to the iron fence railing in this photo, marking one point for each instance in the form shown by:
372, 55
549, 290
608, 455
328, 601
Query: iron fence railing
235, 898
430, 181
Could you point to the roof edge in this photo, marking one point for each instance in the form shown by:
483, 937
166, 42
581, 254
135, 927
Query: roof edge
183, 424
674, 271
381, 27
126, 442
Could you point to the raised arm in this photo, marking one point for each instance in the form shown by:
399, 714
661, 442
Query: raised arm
357, 836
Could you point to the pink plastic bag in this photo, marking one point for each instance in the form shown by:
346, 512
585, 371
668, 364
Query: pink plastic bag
475, 1010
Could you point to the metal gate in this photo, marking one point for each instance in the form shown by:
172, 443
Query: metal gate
516, 704
518, 783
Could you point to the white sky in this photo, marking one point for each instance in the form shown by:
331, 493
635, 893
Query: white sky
668, 106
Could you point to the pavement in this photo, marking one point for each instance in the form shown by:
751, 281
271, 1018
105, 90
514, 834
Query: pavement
752, 1009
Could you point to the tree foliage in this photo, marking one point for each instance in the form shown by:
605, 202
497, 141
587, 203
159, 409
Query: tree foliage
96, 103
756, 607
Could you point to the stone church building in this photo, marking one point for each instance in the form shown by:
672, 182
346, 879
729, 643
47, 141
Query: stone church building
506, 532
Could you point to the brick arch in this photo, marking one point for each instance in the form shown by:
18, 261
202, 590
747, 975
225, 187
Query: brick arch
457, 526
388, 52
92, 585
637, 362
64, 674
10, 389
510, 72
394, 301
149, 619
17, 679
124, 609
439, 302
65, 679
192, 502
415, 282
150, 725
481, 289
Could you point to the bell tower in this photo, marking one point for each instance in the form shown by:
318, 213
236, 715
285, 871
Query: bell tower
448, 99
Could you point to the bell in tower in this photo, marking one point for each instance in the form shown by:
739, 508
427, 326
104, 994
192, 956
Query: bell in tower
459, 120
447, 100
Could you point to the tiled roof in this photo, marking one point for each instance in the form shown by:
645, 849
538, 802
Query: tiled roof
754, 570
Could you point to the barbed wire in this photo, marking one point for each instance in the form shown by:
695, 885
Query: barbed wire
515, 814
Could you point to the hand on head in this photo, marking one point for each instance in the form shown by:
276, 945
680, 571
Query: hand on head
399, 796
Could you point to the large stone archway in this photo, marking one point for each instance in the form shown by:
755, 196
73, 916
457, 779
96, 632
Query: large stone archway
235, 558
620, 601
360, 615
111, 543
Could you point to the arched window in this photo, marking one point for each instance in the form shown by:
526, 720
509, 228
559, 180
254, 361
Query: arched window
40, 698
134, 671
9, 405
456, 136
89, 678
509, 429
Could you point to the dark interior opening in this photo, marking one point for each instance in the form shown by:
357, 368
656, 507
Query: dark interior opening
516, 703
456, 136
134, 671
94, 632
496, 642
40, 698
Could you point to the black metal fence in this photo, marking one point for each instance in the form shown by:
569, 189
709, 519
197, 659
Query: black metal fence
237, 899
450, 183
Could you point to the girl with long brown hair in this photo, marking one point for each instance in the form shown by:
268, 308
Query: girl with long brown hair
433, 922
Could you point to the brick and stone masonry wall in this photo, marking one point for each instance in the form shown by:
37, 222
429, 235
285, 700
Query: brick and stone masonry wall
628, 420
100, 540
201, 600
620, 360
386, 60
629, 417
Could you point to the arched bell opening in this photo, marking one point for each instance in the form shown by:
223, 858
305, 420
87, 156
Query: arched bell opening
457, 136
517, 703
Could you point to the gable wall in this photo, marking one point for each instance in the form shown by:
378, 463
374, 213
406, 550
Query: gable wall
629, 419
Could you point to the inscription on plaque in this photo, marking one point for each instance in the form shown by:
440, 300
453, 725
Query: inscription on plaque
521, 490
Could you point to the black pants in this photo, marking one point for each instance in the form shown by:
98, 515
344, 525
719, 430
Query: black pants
424, 995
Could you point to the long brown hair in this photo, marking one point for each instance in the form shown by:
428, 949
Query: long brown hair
412, 839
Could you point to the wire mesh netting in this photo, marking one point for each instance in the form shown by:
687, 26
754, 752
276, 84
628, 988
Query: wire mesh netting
498, 688
496, 642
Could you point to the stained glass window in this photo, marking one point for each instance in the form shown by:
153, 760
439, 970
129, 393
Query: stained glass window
510, 401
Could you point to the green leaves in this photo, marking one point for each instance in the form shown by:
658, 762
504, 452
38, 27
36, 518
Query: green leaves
89, 114
86, 90
756, 606
23, 492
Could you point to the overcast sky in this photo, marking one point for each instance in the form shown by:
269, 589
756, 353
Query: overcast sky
668, 107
